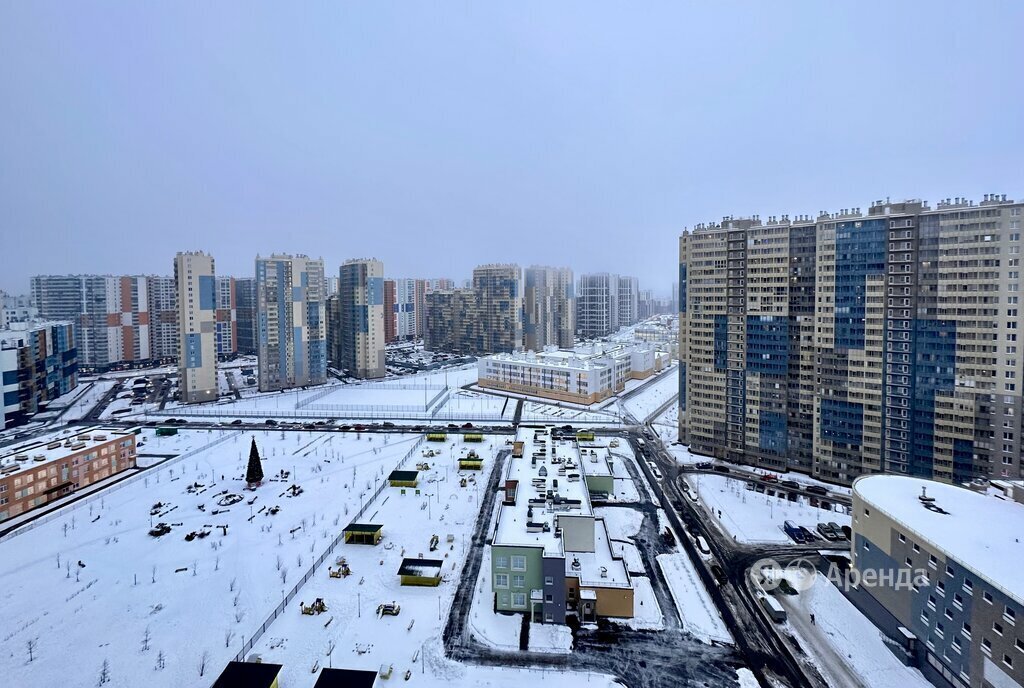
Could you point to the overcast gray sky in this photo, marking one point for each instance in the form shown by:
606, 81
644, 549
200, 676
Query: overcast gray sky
439, 136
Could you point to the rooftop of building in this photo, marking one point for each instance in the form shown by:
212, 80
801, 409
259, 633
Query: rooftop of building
583, 357
43, 450
597, 458
18, 329
537, 476
600, 568
980, 532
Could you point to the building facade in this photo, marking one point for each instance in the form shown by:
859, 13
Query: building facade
500, 295
197, 307
245, 308
854, 343
409, 306
41, 471
549, 308
453, 323
597, 305
110, 314
390, 315
163, 317
227, 317
291, 322
361, 310
586, 374
629, 300
38, 363
949, 593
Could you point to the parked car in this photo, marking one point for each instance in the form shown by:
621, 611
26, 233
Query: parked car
705, 465
837, 530
795, 532
826, 530
270, 421
816, 489
720, 469
770, 478
791, 484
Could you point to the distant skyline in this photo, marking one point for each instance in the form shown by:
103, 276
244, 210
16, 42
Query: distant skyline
436, 138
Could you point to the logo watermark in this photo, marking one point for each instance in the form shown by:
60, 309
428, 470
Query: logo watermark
801, 574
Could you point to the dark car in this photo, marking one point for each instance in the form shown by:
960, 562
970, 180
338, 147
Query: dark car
816, 489
720, 469
388, 424
270, 421
791, 484
705, 465
453, 426
467, 426
236, 421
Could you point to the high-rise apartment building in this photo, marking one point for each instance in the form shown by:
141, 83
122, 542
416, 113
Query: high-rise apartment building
291, 318
163, 317
453, 323
439, 284
500, 293
332, 313
38, 363
110, 315
197, 316
227, 317
245, 309
361, 307
597, 305
629, 300
854, 343
390, 316
410, 302
549, 308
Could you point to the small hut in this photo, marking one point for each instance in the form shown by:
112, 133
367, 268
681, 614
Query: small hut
403, 478
248, 675
421, 572
362, 533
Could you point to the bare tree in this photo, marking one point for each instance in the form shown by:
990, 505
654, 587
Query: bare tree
152, 575
228, 635
216, 564
104, 673
160, 661
279, 562
203, 661
284, 575
146, 637
239, 615
30, 645
231, 585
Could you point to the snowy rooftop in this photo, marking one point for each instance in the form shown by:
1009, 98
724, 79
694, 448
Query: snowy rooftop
583, 357
599, 568
980, 532
596, 458
53, 447
538, 475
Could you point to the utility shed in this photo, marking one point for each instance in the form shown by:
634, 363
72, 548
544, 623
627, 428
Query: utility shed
437, 436
421, 572
472, 462
248, 675
404, 478
345, 678
472, 437
363, 533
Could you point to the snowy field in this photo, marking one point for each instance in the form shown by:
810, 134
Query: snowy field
750, 516
654, 394
700, 617
351, 630
843, 642
81, 405
138, 601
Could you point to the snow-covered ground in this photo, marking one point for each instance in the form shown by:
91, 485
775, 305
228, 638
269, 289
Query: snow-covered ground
550, 638
360, 638
845, 645
488, 628
698, 611
654, 394
193, 597
82, 404
750, 516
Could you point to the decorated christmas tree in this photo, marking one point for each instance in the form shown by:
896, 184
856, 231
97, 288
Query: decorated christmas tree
254, 472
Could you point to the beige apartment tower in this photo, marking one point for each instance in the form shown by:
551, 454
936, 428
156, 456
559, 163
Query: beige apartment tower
197, 316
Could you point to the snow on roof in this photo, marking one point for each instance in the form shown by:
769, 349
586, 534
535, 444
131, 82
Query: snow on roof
536, 479
598, 464
978, 531
600, 568
362, 528
420, 567
53, 447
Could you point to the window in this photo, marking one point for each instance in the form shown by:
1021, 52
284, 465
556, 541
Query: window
940, 587
549, 580
949, 571
518, 563
956, 643
501, 580
902, 537
917, 547
1010, 615
1008, 661
958, 601
518, 581
501, 562
931, 601
966, 630
986, 646
948, 614
1019, 644
987, 596
932, 561
519, 599
997, 627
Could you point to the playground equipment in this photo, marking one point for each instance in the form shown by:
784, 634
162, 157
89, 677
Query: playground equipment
423, 466
433, 542
318, 607
342, 570
429, 453
462, 482
388, 609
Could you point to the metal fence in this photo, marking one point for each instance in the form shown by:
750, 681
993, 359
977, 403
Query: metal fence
61, 512
290, 596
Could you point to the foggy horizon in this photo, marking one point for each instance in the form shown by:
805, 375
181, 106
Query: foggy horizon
437, 139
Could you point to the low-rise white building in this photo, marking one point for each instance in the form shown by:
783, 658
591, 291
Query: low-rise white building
584, 375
